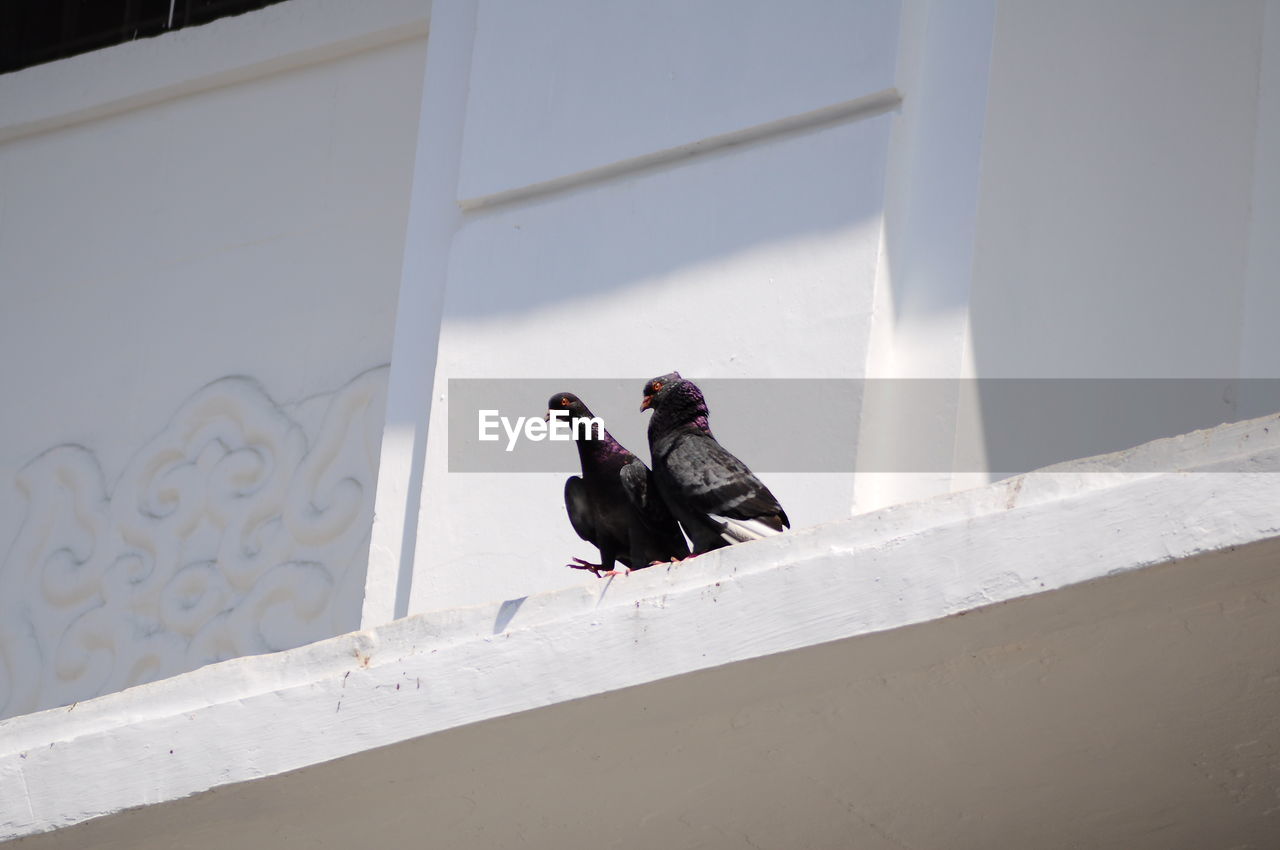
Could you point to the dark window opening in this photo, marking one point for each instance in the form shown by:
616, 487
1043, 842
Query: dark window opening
35, 31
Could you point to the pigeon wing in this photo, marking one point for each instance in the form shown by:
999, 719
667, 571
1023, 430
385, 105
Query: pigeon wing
660, 538
712, 480
637, 481
581, 517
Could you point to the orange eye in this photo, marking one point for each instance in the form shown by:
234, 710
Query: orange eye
564, 402
657, 385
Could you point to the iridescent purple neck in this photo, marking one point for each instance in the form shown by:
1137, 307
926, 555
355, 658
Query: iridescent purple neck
682, 406
598, 448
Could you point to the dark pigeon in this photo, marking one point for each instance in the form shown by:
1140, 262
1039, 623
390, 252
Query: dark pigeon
715, 497
615, 504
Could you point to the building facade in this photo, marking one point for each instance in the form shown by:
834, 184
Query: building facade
248, 266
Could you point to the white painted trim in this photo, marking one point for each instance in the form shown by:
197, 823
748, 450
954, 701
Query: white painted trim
434, 217
263, 715
228, 50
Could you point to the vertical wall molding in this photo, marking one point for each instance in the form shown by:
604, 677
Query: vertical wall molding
921, 316
434, 216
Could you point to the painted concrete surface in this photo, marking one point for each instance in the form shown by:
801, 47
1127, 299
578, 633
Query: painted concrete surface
1151, 662
985, 212
240, 528
1260, 351
695, 187
1113, 231
1088, 228
223, 52
200, 254
624, 268
583, 84
1135, 712
740, 199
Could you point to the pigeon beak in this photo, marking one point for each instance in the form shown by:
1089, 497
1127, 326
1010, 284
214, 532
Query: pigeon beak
546, 417
647, 403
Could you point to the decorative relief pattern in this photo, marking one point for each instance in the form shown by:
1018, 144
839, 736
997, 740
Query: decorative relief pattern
233, 532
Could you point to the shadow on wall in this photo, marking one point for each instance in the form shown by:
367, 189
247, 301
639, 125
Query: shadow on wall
1100, 259
670, 221
752, 261
1041, 245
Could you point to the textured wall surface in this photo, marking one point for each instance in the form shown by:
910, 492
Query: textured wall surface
235, 530
195, 271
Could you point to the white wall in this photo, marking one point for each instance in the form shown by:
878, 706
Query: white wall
1118, 165
1123, 231
1119, 174
199, 286
1260, 352
914, 190
648, 188
203, 269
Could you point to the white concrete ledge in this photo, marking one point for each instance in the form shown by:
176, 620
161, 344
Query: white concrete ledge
265, 715
228, 50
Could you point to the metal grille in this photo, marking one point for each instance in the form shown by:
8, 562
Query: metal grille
35, 31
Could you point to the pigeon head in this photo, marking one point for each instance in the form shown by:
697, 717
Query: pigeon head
660, 388
569, 402
674, 401
587, 430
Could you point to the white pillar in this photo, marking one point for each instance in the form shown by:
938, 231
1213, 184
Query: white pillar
1260, 348
921, 323
434, 216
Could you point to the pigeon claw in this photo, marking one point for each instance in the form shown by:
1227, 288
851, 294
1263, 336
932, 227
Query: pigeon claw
625, 571
579, 564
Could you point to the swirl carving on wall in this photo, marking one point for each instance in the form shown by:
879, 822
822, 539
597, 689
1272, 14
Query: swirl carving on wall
231, 532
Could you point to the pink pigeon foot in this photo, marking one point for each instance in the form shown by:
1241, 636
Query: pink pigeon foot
579, 564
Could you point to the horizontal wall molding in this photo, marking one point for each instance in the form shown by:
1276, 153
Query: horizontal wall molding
227, 51
859, 108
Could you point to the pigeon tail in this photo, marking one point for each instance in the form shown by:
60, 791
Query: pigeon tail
745, 530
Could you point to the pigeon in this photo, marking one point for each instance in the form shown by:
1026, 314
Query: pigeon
615, 504
714, 495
